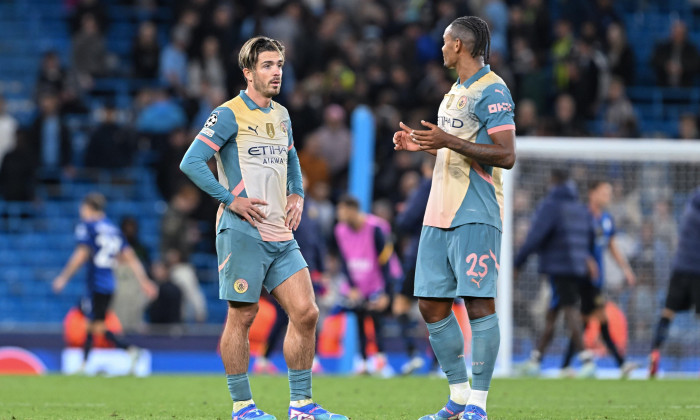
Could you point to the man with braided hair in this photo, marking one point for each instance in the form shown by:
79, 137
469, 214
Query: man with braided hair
460, 244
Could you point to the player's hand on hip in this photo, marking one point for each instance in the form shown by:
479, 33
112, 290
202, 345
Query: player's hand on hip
433, 138
248, 209
59, 283
293, 210
402, 139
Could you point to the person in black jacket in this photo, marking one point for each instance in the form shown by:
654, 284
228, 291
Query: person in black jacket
676, 60
684, 288
562, 234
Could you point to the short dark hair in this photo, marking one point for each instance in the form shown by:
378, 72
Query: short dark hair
96, 201
350, 201
595, 183
559, 175
248, 56
463, 26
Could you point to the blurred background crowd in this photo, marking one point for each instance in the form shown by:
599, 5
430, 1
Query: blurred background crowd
116, 91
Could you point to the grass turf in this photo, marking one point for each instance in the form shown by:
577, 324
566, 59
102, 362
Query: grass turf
364, 398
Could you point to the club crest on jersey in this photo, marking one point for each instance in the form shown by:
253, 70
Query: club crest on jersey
270, 128
240, 286
462, 102
213, 118
283, 127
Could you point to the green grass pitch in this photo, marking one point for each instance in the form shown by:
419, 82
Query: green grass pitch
363, 398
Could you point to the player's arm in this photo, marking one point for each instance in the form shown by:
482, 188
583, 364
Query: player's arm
194, 165
129, 257
79, 257
621, 261
295, 200
495, 111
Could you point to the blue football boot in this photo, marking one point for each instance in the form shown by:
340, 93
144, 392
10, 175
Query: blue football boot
251, 412
451, 411
313, 411
473, 412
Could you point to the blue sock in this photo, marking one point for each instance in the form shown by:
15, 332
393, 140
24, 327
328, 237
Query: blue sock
486, 338
299, 384
448, 345
239, 387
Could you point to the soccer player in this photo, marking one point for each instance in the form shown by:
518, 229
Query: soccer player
251, 138
592, 299
100, 244
684, 287
563, 235
365, 254
460, 241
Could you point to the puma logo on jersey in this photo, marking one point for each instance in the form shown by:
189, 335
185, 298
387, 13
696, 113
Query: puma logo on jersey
478, 283
499, 91
253, 129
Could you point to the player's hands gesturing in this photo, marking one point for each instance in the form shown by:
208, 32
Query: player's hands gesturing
434, 138
293, 209
247, 209
402, 139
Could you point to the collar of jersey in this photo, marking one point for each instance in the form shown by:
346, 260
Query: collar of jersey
252, 105
478, 75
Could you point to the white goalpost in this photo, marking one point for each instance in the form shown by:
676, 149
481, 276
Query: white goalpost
652, 180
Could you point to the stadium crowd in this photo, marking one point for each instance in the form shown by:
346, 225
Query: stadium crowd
564, 71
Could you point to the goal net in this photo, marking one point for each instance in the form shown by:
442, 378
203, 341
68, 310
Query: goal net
652, 181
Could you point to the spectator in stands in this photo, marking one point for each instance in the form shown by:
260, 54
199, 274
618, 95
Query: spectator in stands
688, 127
335, 142
111, 145
18, 172
145, 54
160, 114
306, 116
223, 28
207, 68
566, 120
8, 130
89, 53
167, 307
178, 230
53, 78
49, 137
94, 8
313, 162
173, 60
620, 119
676, 60
526, 118
562, 49
588, 76
619, 53
169, 177
182, 274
